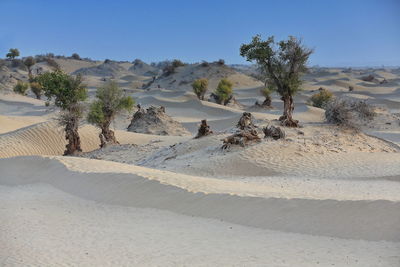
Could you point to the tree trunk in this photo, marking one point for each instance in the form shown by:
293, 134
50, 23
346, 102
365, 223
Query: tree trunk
288, 108
107, 136
72, 135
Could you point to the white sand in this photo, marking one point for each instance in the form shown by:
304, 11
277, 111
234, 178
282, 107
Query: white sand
322, 197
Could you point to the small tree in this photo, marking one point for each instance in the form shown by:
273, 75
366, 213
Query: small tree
13, 53
224, 91
321, 99
282, 64
200, 87
68, 93
266, 92
21, 88
76, 56
29, 62
110, 101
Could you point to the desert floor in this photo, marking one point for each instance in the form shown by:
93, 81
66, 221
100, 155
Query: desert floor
324, 196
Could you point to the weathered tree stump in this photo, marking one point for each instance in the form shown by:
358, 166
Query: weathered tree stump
204, 129
247, 132
274, 132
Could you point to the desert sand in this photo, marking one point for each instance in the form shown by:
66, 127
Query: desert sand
323, 196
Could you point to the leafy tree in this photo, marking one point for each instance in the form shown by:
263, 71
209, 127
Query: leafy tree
29, 62
200, 87
321, 99
282, 64
13, 53
21, 88
224, 91
76, 56
110, 101
68, 92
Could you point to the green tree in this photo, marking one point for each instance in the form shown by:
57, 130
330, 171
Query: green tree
200, 87
29, 62
75, 56
110, 101
282, 64
224, 91
21, 88
68, 93
13, 53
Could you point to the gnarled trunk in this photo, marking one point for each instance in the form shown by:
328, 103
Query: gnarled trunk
107, 136
72, 135
288, 108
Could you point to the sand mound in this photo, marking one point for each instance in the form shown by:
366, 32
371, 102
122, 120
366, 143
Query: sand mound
89, 179
141, 68
185, 75
109, 69
155, 121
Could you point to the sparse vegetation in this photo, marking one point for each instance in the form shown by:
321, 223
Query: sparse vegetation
12, 53
282, 64
110, 101
21, 88
224, 92
36, 89
200, 87
348, 113
68, 93
321, 99
170, 67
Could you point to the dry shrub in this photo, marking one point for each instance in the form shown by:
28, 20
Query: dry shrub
349, 113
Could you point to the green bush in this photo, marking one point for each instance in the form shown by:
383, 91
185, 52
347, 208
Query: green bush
21, 88
200, 87
321, 99
37, 89
224, 91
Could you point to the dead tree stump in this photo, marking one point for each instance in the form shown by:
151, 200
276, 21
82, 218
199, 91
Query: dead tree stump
204, 129
274, 132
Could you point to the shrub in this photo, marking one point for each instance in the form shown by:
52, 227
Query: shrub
177, 63
348, 113
29, 62
200, 87
21, 88
75, 56
13, 53
321, 99
221, 62
205, 64
107, 61
224, 91
37, 89
266, 92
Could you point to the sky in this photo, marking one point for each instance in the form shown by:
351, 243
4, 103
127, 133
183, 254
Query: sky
342, 32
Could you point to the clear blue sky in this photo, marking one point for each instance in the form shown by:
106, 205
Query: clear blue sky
343, 32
